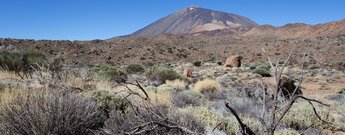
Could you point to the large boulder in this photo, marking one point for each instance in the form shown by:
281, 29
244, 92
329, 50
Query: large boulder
233, 61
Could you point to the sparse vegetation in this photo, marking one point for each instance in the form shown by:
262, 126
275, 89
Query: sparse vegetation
168, 103
134, 69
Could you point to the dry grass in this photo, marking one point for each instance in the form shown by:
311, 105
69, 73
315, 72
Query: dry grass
7, 95
8, 75
177, 84
160, 96
207, 85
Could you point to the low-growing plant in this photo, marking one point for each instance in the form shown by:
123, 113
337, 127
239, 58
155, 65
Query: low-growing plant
262, 71
110, 102
313, 66
188, 98
167, 74
135, 68
162, 95
110, 73
337, 97
178, 84
287, 132
259, 64
207, 85
22, 63
227, 124
162, 74
51, 113
154, 121
302, 116
340, 65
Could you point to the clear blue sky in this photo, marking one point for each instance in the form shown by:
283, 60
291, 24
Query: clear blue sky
102, 19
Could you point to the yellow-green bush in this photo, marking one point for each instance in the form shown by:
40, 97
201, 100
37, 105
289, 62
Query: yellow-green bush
207, 85
302, 116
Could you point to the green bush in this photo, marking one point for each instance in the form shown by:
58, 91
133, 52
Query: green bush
22, 63
162, 74
134, 69
11, 61
110, 73
110, 102
262, 71
264, 66
259, 64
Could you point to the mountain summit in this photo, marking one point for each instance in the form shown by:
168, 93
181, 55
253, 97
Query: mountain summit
193, 20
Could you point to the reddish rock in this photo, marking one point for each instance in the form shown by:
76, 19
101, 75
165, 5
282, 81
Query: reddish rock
187, 73
233, 61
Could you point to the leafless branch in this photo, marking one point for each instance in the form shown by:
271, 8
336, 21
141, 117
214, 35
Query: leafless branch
245, 129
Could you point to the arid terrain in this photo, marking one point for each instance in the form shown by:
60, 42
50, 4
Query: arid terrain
222, 74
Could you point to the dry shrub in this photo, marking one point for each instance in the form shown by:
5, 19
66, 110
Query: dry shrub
153, 121
177, 84
161, 95
227, 124
51, 113
188, 98
207, 86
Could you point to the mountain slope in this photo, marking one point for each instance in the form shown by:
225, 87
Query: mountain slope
298, 30
194, 20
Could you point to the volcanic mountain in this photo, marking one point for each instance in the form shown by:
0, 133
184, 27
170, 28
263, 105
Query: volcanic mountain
194, 20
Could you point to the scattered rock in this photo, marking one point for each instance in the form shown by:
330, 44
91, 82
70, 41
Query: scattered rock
233, 61
187, 73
